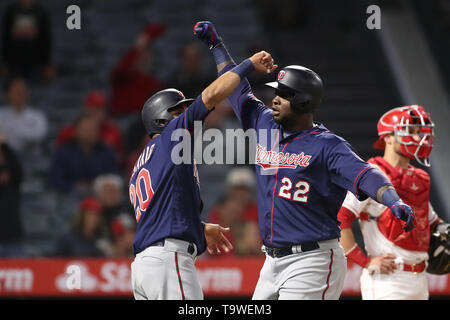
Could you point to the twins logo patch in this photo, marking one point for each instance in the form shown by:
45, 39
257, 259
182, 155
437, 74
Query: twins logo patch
181, 94
281, 75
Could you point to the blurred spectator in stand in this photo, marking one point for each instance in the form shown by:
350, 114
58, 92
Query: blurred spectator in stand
134, 155
238, 205
10, 224
109, 190
132, 82
123, 229
228, 213
77, 163
223, 119
190, 77
241, 183
85, 238
23, 127
26, 41
95, 104
248, 239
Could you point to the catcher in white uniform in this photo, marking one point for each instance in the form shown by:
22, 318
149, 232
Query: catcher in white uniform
396, 263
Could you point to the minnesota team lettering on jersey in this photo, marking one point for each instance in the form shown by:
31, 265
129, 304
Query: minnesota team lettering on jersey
272, 159
299, 202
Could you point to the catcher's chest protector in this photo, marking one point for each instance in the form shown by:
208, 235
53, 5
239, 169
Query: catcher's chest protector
413, 187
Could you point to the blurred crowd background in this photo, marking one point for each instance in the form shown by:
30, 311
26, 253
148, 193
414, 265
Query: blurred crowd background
70, 128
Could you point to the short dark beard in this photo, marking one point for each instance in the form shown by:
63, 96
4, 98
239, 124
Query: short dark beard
296, 123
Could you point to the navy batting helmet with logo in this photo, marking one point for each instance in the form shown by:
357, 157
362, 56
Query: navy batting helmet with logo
302, 84
155, 112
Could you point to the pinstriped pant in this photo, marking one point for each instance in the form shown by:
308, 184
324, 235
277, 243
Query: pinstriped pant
314, 275
165, 273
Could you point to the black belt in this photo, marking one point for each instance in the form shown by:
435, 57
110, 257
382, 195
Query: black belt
190, 249
285, 251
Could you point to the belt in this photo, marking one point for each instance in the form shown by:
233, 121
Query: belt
190, 248
416, 268
285, 251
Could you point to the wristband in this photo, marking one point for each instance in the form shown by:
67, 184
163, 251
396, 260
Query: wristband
244, 68
389, 197
221, 54
371, 182
356, 255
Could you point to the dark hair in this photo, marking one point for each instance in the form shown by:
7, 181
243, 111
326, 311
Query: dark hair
9, 81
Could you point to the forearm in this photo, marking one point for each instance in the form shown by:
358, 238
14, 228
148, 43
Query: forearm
351, 248
378, 187
208, 34
221, 56
226, 84
347, 239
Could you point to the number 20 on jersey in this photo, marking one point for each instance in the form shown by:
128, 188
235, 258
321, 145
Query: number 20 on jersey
141, 193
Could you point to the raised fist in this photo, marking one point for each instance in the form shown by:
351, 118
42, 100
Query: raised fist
263, 62
206, 32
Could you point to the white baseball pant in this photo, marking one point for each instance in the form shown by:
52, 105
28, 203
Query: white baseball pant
399, 285
313, 275
166, 273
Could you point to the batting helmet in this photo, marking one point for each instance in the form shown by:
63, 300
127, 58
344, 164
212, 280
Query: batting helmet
400, 121
155, 112
303, 84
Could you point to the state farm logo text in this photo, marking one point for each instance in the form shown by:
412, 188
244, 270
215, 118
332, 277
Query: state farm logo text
16, 280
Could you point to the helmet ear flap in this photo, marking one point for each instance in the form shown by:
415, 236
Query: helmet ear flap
295, 102
298, 105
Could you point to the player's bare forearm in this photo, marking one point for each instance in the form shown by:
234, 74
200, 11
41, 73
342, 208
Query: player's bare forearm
347, 239
220, 89
227, 83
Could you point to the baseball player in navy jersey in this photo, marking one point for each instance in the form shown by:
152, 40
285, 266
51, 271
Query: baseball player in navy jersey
303, 174
166, 196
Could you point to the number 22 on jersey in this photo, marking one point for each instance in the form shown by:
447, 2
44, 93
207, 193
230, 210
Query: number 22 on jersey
141, 193
300, 193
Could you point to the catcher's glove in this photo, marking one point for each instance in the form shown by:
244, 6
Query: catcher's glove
439, 251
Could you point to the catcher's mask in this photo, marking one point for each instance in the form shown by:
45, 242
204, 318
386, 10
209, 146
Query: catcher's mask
412, 128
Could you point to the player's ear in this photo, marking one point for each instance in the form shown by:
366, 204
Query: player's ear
389, 139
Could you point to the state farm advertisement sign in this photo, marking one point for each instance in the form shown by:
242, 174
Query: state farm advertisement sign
112, 277
61, 277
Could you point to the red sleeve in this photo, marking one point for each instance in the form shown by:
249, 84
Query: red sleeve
346, 218
357, 256
112, 135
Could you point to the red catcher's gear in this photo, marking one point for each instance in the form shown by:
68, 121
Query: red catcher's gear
414, 144
413, 187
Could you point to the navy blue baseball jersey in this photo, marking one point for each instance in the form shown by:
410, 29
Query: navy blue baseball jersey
166, 196
302, 177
